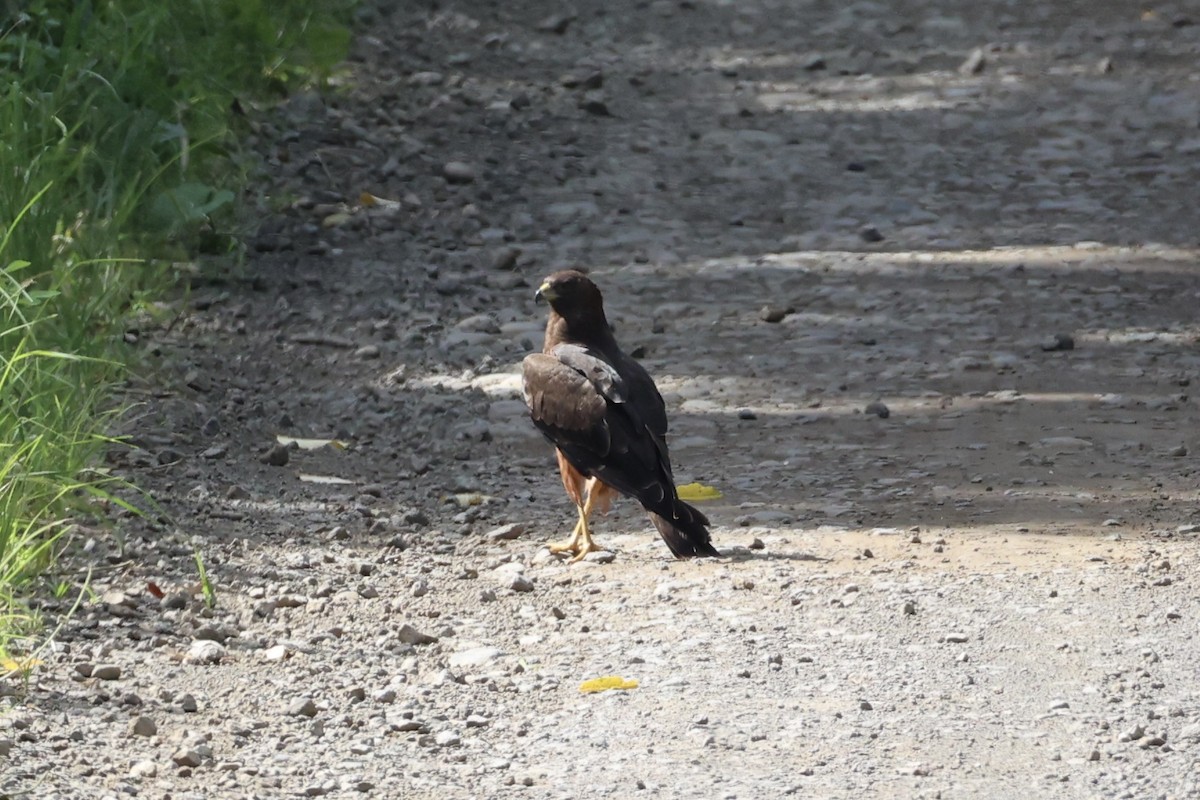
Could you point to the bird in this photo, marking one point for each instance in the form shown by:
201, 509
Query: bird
606, 419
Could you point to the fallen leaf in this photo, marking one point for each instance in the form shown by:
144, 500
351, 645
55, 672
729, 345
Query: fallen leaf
368, 200
697, 492
312, 444
153, 589
24, 665
331, 479
606, 683
468, 499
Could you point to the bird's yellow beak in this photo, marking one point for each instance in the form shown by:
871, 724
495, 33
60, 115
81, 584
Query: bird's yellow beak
545, 292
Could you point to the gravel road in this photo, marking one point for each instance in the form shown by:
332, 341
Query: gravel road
917, 281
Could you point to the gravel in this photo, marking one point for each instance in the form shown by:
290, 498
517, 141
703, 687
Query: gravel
793, 215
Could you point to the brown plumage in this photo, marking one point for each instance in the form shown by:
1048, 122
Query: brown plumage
603, 413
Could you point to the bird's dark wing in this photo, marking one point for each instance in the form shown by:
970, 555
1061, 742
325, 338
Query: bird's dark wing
584, 405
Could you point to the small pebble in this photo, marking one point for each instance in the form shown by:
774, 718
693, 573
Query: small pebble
878, 409
143, 726
410, 635
596, 107
507, 532
302, 707
276, 653
506, 259
774, 313
447, 739
106, 672
1057, 342
458, 172
1131, 734
205, 651
277, 456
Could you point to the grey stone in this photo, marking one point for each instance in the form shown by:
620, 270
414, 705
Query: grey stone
277, 455
205, 651
302, 707
774, 313
458, 172
512, 530
143, 726
106, 672
878, 409
447, 739
410, 635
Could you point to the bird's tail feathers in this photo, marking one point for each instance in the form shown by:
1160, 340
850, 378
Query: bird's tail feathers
685, 532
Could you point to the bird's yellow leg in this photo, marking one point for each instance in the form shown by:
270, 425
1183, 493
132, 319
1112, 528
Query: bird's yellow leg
571, 545
584, 543
581, 542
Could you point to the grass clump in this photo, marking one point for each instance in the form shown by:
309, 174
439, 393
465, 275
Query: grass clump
118, 156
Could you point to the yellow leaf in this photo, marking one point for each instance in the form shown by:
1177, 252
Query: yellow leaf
696, 492
468, 499
335, 219
311, 444
24, 665
606, 683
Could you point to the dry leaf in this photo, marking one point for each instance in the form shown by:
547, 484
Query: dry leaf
368, 200
606, 683
468, 499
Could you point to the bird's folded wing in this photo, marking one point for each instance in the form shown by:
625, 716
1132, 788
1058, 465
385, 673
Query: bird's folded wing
565, 400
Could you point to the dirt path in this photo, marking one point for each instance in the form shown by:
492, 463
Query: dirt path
958, 465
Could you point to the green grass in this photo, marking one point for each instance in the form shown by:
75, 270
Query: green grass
119, 123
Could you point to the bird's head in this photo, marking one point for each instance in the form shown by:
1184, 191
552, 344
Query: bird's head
573, 296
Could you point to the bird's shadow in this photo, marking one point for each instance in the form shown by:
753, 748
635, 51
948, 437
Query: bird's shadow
739, 554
